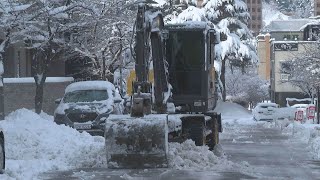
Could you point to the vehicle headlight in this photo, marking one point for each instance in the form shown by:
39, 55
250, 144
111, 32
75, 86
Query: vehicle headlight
59, 117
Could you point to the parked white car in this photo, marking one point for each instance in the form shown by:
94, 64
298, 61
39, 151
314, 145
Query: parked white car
265, 112
86, 105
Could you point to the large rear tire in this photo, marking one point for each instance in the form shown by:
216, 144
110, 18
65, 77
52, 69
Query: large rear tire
197, 133
213, 138
2, 156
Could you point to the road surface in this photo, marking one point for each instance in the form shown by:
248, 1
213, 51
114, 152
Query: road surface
264, 150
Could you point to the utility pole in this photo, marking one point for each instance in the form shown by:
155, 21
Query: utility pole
318, 104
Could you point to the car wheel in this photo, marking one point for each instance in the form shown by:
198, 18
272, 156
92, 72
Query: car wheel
2, 156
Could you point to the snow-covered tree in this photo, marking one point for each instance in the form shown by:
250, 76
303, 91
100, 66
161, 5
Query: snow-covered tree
304, 69
11, 16
229, 18
296, 8
106, 35
246, 87
44, 30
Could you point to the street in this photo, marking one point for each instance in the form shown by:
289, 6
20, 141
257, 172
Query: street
261, 149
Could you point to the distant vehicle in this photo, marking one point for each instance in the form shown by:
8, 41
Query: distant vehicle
265, 111
86, 105
301, 107
2, 153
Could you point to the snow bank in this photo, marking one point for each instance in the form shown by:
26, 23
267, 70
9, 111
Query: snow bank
35, 144
231, 109
188, 156
308, 133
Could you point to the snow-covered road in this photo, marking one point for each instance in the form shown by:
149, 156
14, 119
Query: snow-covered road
261, 150
272, 154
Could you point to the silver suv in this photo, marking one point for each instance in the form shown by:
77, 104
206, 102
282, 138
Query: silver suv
86, 105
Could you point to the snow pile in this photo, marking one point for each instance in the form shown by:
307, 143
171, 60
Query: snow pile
188, 156
35, 144
270, 13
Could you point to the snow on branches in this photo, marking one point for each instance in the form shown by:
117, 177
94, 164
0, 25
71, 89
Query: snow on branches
229, 18
304, 69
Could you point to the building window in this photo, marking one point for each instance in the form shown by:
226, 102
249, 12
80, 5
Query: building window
285, 70
284, 77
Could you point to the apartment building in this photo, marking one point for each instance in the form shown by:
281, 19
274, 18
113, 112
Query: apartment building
281, 41
255, 10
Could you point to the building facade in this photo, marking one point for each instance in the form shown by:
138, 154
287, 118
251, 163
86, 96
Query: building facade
263, 50
281, 41
255, 10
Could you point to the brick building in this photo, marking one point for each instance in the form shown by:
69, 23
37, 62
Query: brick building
255, 10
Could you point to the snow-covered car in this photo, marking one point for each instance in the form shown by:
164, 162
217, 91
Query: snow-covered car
2, 153
265, 111
86, 105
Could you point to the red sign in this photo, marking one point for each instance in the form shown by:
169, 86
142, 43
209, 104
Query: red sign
311, 112
299, 115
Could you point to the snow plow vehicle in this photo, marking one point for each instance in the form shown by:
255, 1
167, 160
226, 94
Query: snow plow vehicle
178, 105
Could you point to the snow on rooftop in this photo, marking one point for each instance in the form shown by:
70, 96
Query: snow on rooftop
31, 80
89, 85
287, 25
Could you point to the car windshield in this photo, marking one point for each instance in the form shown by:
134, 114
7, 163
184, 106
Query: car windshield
85, 96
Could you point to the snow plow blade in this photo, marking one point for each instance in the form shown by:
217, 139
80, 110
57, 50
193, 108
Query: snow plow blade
136, 142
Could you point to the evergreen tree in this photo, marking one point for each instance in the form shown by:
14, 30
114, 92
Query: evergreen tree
229, 18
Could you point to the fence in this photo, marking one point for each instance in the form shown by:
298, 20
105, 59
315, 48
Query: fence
20, 92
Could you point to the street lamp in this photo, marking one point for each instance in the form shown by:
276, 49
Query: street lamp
318, 104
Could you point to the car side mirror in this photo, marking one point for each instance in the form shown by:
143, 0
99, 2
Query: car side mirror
57, 101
